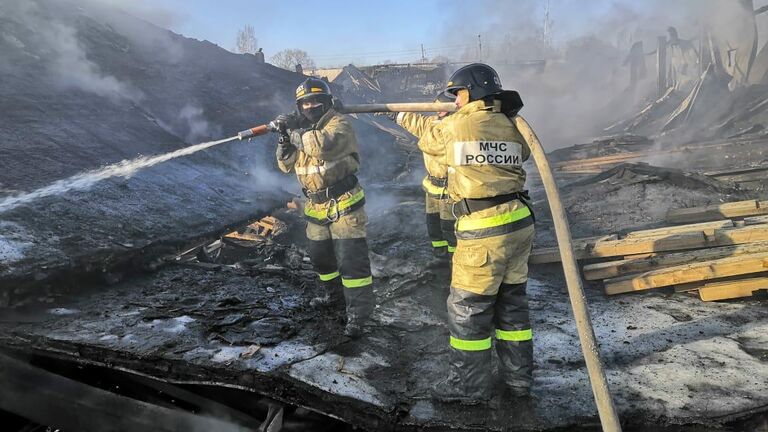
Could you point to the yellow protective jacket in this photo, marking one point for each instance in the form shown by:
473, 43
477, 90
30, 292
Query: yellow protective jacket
484, 151
435, 165
330, 154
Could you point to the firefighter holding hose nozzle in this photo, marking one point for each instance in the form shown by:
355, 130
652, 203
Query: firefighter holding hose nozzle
319, 145
484, 152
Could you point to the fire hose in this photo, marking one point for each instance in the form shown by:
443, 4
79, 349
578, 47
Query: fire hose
359, 109
605, 406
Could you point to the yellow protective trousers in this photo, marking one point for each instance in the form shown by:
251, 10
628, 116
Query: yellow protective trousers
488, 297
440, 220
340, 250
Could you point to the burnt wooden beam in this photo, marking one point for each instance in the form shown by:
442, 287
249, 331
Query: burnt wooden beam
52, 399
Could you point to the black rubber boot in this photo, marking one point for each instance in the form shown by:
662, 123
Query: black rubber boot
470, 321
360, 304
469, 378
354, 328
515, 356
440, 252
333, 298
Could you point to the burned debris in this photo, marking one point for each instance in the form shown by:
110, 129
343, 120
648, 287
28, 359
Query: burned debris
183, 292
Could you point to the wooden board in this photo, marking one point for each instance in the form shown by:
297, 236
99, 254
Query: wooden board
646, 245
613, 269
756, 220
595, 164
700, 271
746, 178
694, 286
719, 211
552, 254
736, 172
688, 287
600, 160
732, 289
704, 227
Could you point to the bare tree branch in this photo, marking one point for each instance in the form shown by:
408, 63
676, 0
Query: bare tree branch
289, 58
246, 41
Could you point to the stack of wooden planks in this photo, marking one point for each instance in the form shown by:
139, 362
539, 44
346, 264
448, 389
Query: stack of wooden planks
598, 164
719, 252
755, 174
259, 231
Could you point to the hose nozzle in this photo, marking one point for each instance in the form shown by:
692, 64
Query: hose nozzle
255, 131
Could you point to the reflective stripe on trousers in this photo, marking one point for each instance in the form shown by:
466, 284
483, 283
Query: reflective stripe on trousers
485, 344
357, 283
339, 254
328, 276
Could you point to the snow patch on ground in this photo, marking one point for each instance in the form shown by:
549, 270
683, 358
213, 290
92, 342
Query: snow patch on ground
284, 353
228, 354
340, 375
174, 325
13, 242
715, 369
423, 410
670, 355
63, 311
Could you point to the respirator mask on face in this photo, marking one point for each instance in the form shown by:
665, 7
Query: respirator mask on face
314, 108
314, 113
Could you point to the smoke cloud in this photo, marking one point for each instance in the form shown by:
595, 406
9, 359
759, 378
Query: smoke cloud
198, 127
57, 46
585, 85
72, 68
146, 10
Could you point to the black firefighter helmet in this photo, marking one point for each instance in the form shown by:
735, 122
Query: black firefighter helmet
315, 90
479, 79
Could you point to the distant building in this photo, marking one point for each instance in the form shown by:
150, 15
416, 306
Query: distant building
259, 56
330, 73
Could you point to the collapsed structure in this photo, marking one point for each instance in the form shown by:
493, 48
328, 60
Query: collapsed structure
106, 292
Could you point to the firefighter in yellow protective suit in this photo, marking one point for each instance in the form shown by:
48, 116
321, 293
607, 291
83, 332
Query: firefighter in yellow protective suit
484, 152
440, 220
319, 145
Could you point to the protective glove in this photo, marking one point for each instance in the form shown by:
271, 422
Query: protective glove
284, 122
295, 138
284, 147
391, 115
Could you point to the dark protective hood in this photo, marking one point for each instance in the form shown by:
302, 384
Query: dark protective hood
314, 114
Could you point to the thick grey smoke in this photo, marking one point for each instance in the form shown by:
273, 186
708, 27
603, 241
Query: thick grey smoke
197, 124
72, 68
150, 11
57, 45
140, 32
585, 85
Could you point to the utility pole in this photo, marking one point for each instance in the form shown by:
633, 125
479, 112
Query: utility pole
661, 66
547, 26
480, 48
423, 54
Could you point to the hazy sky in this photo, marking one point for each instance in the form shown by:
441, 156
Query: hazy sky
338, 32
